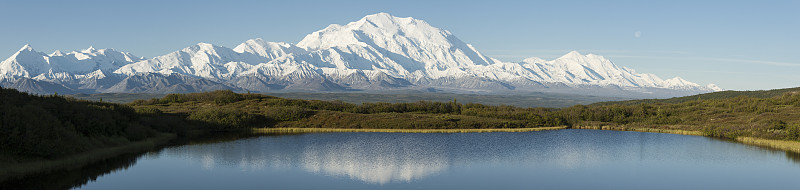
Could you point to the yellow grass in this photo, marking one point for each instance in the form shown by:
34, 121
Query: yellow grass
649, 130
793, 146
339, 130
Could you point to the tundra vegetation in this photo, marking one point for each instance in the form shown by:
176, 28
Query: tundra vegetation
51, 127
715, 114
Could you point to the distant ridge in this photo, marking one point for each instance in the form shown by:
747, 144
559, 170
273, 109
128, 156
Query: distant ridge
711, 96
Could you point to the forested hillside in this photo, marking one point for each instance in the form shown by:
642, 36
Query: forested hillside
53, 126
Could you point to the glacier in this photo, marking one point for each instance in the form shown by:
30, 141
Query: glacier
379, 52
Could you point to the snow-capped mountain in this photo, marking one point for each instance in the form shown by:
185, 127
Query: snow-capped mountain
91, 62
399, 47
377, 52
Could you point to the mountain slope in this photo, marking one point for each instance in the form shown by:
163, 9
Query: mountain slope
405, 46
376, 53
28, 63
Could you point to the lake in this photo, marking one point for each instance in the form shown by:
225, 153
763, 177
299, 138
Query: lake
560, 159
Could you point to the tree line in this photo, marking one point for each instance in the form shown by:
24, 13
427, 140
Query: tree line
773, 117
53, 126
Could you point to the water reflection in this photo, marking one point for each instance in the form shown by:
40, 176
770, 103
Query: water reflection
376, 160
793, 156
382, 158
365, 157
66, 179
547, 159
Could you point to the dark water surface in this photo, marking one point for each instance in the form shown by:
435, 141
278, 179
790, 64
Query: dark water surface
562, 159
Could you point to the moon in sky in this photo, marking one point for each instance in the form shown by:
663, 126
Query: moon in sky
637, 34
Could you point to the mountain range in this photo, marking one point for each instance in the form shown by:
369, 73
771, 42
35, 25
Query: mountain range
379, 52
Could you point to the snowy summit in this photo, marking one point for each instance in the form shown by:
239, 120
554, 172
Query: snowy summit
377, 52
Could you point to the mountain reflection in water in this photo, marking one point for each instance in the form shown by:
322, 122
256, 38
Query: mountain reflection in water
393, 158
381, 158
545, 159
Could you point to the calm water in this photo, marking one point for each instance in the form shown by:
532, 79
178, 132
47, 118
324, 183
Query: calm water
563, 159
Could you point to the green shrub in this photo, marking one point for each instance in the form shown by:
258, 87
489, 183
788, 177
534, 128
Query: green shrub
228, 118
793, 132
775, 124
148, 110
173, 98
138, 132
287, 113
225, 97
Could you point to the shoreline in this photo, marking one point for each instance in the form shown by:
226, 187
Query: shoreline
10, 171
342, 130
789, 146
647, 130
784, 145
20, 170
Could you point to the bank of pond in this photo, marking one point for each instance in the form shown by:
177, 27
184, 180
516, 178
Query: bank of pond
39, 131
383, 160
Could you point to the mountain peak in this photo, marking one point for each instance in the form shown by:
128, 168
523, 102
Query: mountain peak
265, 51
423, 45
384, 14
714, 87
26, 47
89, 50
679, 82
202, 46
380, 15
27, 50
385, 19
256, 40
388, 22
377, 28
57, 53
571, 55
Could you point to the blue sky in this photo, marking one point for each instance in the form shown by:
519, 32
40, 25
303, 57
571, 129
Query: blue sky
747, 45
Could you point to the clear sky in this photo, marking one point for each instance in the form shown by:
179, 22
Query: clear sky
740, 45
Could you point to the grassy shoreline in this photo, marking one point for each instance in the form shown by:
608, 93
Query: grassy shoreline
789, 146
648, 130
340, 130
16, 170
